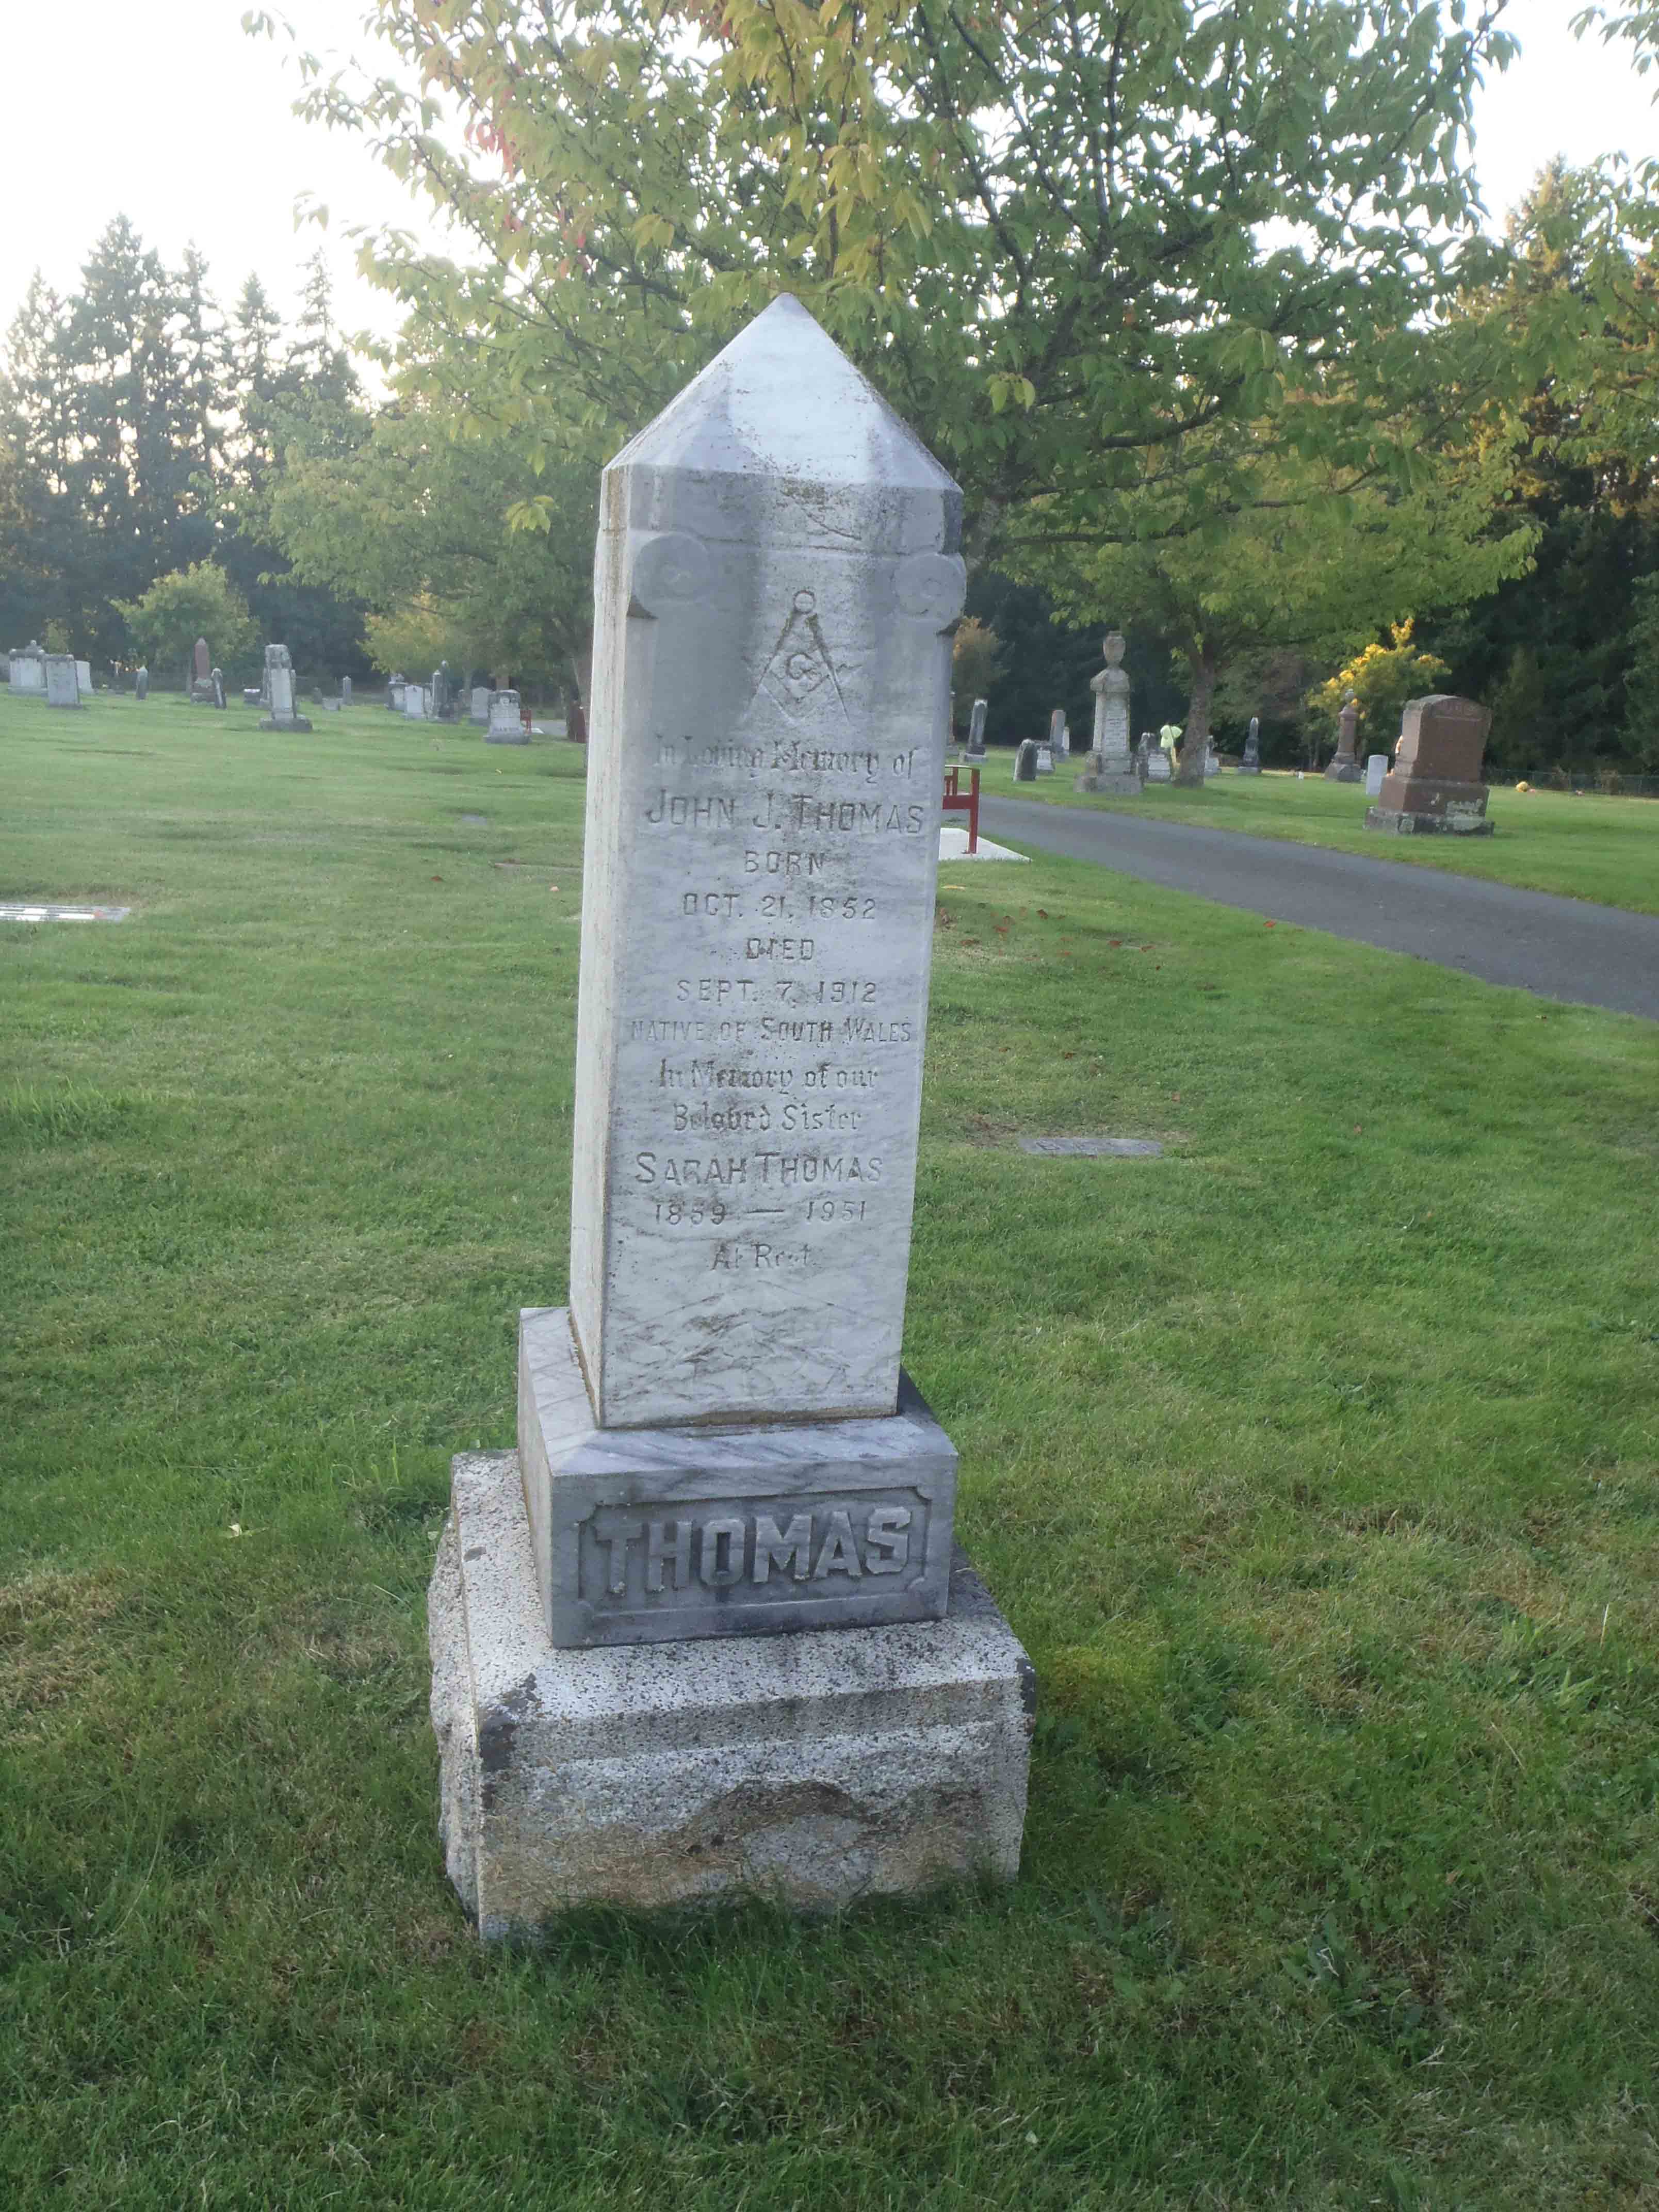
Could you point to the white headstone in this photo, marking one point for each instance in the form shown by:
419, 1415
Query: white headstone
415, 698
62, 683
976, 727
506, 722
1377, 766
775, 582
29, 669
1045, 759
479, 705
83, 678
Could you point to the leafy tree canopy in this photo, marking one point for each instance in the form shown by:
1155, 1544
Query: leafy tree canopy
200, 601
1060, 240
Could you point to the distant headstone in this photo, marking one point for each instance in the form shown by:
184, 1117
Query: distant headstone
1212, 759
63, 680
1065, 738
394, 695
1251, 763
29, 669
479, 705
505, 721
1045, 760
1025, 761
1057, 731
718, 1452
201, 679
218, 680
279, 679
1345, 768
415, 699
345, 690
1377, 766
254, 695
1110, 767
1434, 783
977, 729
83, 678
1158, 768
141, 684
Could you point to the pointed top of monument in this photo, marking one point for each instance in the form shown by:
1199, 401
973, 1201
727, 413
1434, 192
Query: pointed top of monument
783, 399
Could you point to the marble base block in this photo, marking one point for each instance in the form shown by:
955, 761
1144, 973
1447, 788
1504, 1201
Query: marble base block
660, 1534
816, 1769
291, 722
1341, 771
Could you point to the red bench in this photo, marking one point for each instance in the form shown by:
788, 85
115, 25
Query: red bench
958, 801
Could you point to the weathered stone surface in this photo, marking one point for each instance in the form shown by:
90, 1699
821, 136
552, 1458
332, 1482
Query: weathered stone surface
1377, 766
83, 678
479, 705
1092, 1148
62, 683
816, 1770
1251, 763
775, 581
1110, 766
415, 702
650, 1535
505, 721
1158, 769
1434, 787
27, 669
279, 680
1045, 759
394, 695
1345, 767
1025, 761
141, 684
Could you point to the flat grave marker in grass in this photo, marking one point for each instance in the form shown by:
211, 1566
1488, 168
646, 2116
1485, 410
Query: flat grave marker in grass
28, 911
1092, 1148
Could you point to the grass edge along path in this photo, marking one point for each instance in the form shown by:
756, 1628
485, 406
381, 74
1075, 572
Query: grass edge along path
1315, 1463
1583, 846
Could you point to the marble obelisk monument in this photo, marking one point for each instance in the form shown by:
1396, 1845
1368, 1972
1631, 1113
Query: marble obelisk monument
705, 1632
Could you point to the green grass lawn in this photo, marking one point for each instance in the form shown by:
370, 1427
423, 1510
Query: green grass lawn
1317, 1464
1588, 846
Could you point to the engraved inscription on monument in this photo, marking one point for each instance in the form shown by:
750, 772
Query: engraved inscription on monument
769, 721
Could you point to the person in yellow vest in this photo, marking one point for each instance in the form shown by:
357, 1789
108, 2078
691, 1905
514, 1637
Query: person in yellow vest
1169, 737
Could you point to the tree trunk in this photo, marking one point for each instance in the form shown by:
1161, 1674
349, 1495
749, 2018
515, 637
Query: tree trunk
1195, 741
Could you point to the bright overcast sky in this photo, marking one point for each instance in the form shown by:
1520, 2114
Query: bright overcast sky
165, 111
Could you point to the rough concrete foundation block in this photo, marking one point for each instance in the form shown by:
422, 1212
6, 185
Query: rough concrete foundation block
816, 1770
1115, 784
1401, 823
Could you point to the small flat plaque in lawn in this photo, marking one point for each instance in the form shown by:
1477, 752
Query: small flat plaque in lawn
1092, 1148
15, 912
478, 821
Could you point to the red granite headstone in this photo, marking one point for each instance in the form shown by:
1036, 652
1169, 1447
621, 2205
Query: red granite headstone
1435, 783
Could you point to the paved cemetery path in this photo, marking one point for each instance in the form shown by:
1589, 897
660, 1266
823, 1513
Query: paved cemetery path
1598, 956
